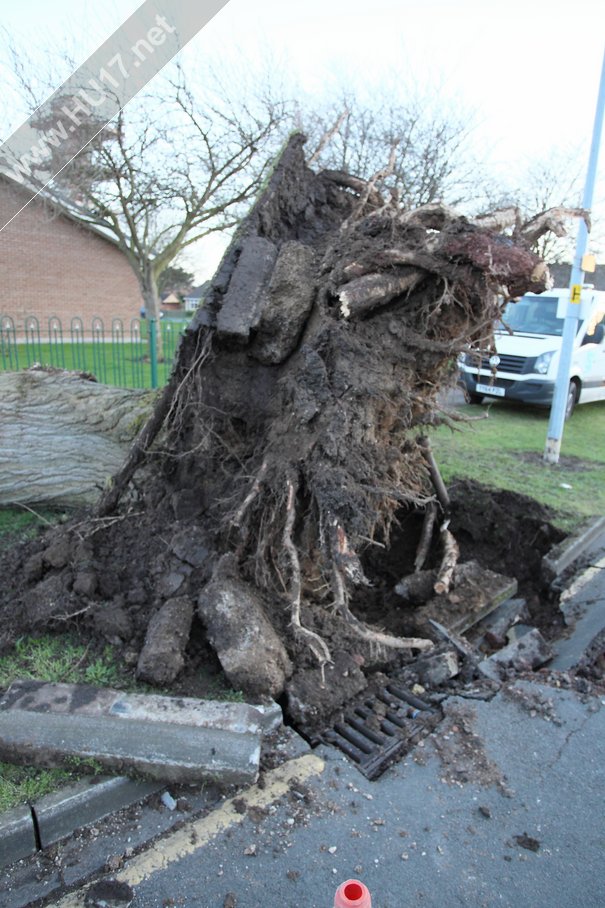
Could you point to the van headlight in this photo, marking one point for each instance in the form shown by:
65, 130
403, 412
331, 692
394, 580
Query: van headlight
543, 362
462, 357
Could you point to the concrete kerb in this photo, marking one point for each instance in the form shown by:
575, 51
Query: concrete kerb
33, 827
572, 547
170, 739
30, 828
17, 835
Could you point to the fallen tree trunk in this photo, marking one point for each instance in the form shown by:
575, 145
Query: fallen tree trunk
290, 449
63, 436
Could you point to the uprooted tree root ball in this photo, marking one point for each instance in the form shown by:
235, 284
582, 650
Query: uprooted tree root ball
263, 493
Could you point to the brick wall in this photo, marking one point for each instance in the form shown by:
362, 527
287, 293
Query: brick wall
50, 266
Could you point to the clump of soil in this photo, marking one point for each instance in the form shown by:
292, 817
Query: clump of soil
283, 483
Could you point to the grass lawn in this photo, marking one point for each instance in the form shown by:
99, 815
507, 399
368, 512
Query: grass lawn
505, 450
20, 523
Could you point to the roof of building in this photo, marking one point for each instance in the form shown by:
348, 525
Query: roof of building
197, 293
561, 272
64, 207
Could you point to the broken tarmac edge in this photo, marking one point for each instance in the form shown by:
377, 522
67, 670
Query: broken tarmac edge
30, 828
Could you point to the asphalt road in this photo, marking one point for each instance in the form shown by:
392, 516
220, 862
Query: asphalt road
503, 806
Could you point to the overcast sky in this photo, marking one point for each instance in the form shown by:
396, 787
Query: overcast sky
529, 69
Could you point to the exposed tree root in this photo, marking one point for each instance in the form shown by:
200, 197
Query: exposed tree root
426, 536
436, 478
451, 553
318, 647
340, 603
252, 494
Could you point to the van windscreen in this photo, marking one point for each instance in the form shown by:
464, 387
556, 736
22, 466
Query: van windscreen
533, 315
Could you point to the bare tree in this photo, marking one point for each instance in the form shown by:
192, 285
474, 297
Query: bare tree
548, 182
428, 145
172, 167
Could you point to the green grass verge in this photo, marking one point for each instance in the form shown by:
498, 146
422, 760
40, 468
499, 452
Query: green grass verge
23, 784
19, 523
61, 659
505, 450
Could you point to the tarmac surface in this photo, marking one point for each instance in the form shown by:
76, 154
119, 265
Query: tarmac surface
509, 815
503, 805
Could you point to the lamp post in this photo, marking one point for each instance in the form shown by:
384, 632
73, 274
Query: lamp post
570, 327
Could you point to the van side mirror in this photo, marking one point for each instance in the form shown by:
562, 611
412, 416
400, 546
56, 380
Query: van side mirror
596, 337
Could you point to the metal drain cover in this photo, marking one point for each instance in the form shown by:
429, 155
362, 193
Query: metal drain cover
380, 729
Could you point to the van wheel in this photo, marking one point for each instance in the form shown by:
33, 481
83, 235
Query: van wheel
572, 399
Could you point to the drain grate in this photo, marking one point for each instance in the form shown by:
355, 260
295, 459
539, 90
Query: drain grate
381, 729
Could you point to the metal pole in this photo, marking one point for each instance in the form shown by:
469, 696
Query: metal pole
153, 352
576, 280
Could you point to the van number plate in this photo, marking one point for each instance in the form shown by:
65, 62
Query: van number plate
490, 389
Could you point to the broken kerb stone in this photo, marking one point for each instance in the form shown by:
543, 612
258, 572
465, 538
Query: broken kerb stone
59, 813
17, 835
174, 739
565, 553
524, 654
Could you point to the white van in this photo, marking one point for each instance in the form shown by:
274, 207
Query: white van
528, 343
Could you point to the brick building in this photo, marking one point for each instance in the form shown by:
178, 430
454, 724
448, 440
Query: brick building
52, 266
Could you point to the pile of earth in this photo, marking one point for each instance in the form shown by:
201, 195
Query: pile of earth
284, 483
101, 581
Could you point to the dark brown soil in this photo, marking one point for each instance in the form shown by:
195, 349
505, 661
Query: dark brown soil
503, 531
277, 494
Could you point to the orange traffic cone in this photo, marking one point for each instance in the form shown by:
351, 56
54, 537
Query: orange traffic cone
352, 894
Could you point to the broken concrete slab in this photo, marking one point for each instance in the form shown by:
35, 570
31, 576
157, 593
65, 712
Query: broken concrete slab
524, 654
517, 631
475, 594
569, 651
438, 669
503, 617
17, 835
60, 813
175, 739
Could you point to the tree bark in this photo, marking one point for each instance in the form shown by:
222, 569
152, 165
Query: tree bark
151, 298
63, 436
